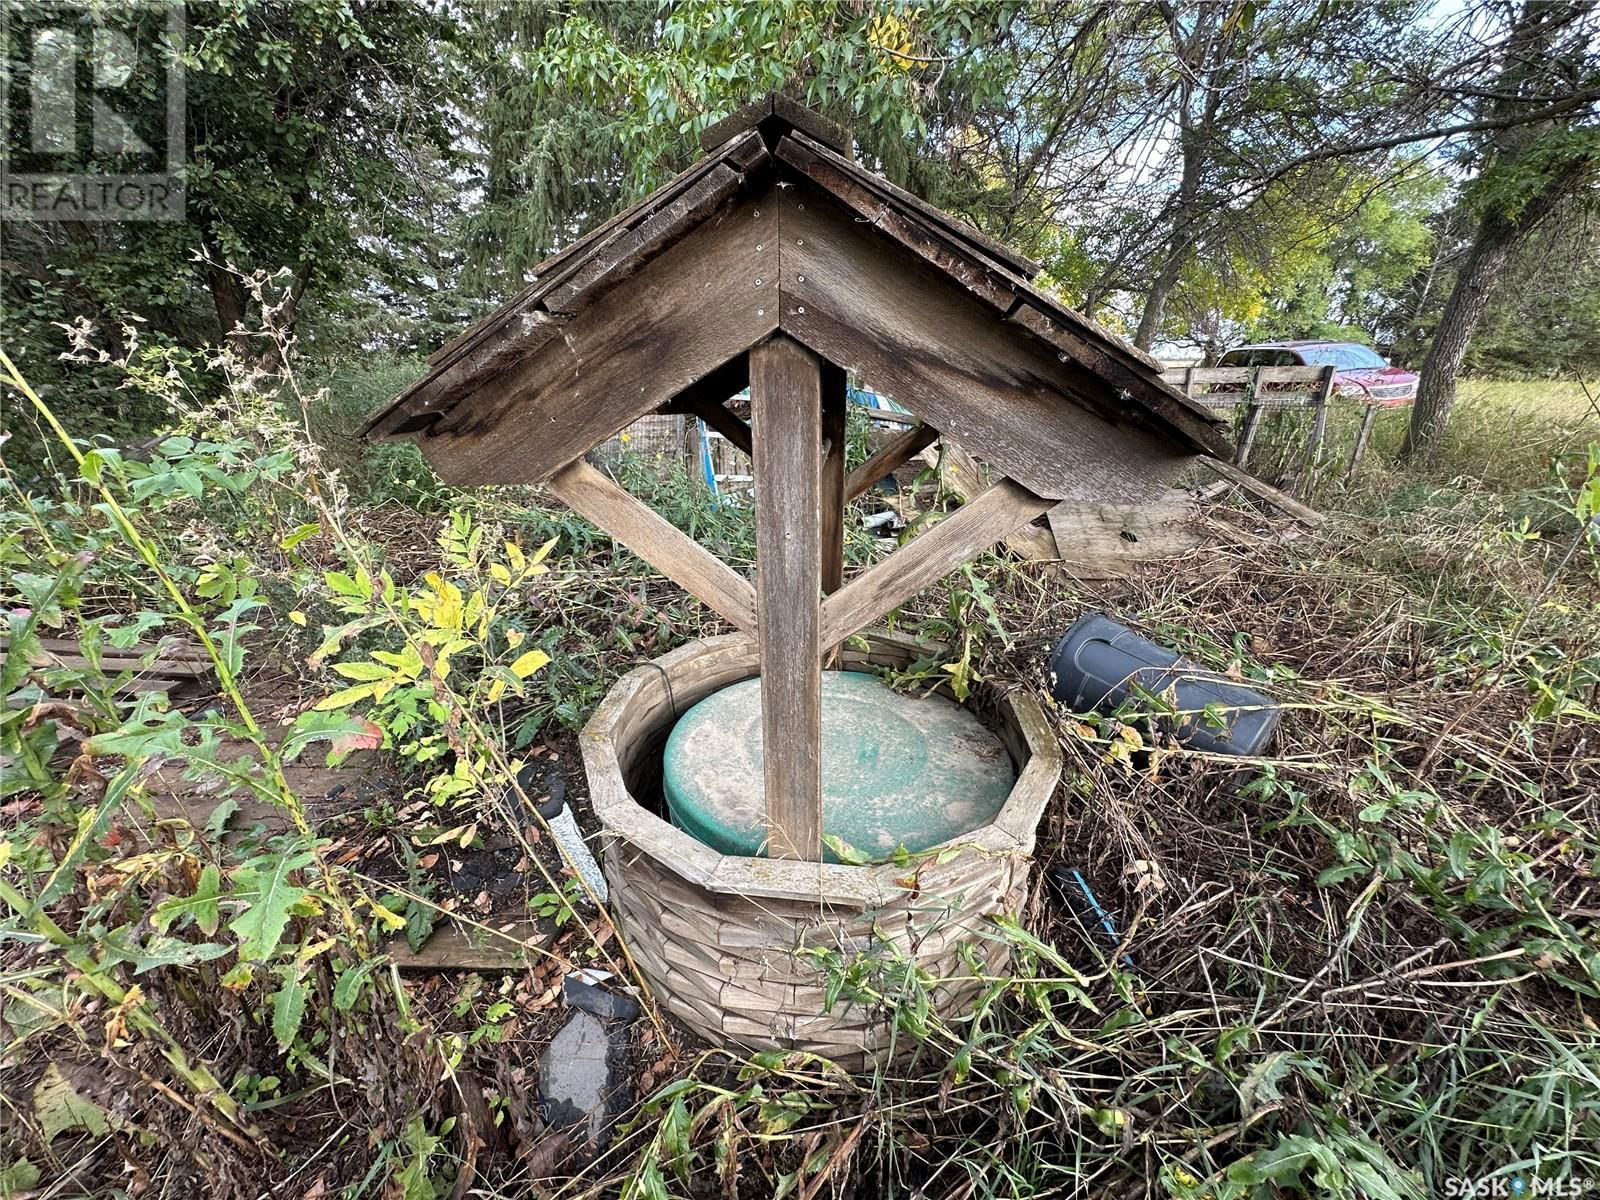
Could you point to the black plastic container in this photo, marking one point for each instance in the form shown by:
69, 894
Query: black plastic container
1099, 662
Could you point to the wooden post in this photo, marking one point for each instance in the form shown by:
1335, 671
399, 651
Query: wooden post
1252, 417
786, 407
832, 496
1319, 427
1365, 432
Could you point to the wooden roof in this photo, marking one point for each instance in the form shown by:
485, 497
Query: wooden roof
772, 142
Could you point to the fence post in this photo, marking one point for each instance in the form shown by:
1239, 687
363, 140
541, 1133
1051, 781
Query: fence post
1367, 419
1319, 427
1252, 417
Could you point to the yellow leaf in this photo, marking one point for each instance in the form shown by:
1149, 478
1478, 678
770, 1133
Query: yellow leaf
528, 663
514, 637
390, 921
497, 688
514, 553
501, 573
542, 551
298, 617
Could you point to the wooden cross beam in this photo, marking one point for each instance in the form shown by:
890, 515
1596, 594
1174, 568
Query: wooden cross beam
894, 455
707, 399
674, 553
966, 533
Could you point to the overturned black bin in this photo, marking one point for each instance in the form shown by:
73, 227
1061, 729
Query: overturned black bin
1099, 662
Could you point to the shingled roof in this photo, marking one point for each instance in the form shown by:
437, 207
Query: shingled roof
777, 142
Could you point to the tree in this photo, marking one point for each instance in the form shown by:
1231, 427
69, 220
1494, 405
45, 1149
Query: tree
584, 107
1526, 172
303, 121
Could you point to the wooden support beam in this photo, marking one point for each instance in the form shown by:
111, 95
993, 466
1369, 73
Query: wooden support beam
1264, 491
707, 398
968, 532
665, 547
832, 496
890, 457
786, 404
719, 416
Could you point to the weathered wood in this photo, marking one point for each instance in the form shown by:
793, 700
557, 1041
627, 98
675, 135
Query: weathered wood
969, 531
1264, 491
717, 415
518, 328
789, 114
923, 340
1104, 359
688, 311
978, 274
746, 153
1105, 541
831, 490
676, 555
786, 405
952, 227
1362, 437
456, 947
168, 659
890, 458
1252, 420
1319, 424
964, 477
624, 256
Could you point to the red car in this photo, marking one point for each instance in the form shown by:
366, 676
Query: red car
1363, 374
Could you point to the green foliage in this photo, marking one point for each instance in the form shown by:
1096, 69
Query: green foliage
590, 106
460, 645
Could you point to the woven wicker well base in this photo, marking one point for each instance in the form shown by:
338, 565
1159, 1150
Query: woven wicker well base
724, 941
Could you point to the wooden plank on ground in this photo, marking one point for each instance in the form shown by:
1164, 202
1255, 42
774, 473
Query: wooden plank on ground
890, 458
661, 544
786, 405
968, 532
453, 946
1105, 541
1267, 492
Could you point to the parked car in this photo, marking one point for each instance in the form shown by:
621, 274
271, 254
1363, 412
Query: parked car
1362, 372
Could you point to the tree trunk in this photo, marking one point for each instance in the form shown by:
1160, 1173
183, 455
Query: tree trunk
1535, 28
1436, 389
227, 295
1496, 238
1155, 300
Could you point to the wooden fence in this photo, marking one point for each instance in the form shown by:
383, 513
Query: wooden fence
1259, 390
